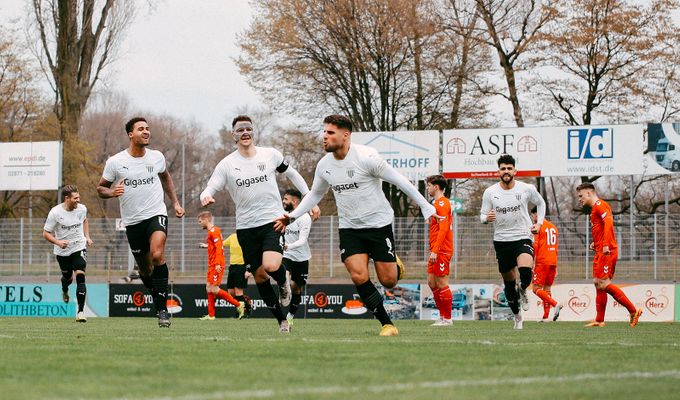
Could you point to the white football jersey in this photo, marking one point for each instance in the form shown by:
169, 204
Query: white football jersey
251, 182
357, 187
144, 196
513, 221
67, 225
296, 237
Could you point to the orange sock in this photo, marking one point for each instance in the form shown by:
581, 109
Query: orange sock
211, 304
435, 297
600, 305
543, 295
226, 296
546, 306
446, 299
619, 296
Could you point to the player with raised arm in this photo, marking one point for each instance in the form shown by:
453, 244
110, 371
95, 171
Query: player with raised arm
606, 255
249, 174
546, 243
505, 204
441, 249
67, 228
296, 252
213, 242
355, 173
141, 178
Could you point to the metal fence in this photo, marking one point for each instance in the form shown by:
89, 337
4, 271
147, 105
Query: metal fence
648, 249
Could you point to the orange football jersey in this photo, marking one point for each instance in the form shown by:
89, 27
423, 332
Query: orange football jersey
602, 221
545, 244
441, 235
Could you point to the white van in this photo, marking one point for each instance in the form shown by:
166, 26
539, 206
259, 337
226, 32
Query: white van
667, 155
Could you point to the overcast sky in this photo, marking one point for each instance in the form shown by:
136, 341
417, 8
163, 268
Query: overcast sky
178, 59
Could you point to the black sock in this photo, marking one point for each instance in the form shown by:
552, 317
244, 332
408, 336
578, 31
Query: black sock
279, 275
81, 291
159, 290
511, 295
524, 277
66, 280
146, 280
294, 303
373, 301
240, 298
270, 299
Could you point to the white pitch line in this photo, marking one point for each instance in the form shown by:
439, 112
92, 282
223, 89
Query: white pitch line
287, 393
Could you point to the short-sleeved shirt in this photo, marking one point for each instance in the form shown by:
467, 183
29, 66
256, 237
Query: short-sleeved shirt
67, 225
357, 187
251, 182
512, 222
235, 251
546, 243
441, 233
602, 222
144, 196
215, 250
296, 238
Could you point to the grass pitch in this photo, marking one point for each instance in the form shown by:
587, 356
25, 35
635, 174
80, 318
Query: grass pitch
130, 358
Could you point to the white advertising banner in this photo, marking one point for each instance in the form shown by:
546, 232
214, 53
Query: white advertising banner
657, 302
592, 150
473, 153
30, 165
415, 154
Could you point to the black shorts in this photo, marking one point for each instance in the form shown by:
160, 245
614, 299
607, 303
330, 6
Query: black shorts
74, 261
255, 241
298, 270
236, 277
378, 243
139, 235
507, 253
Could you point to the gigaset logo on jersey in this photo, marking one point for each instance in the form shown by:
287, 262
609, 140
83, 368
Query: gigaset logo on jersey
251, 181
344, 186
138, 182
590, 143
506, 210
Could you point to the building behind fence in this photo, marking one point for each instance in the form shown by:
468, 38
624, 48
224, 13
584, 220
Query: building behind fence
649, 249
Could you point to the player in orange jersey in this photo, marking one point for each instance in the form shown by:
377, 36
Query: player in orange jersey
215, 267
545, 265
441, 249
606, 254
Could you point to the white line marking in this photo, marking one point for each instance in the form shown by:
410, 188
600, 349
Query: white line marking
288, 393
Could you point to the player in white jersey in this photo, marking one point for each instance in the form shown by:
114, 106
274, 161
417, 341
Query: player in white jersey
249, 174
138, 177
67, 228
296, 252
505, 204
355, 174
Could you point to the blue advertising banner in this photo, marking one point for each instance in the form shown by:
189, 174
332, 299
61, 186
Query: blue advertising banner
45, 300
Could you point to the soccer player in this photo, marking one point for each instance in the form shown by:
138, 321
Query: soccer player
296, 252
67, 228
545, 268
505, 204
237, 280
213, 242
355, 172
249, 174
606, 254
441, 249
140, 178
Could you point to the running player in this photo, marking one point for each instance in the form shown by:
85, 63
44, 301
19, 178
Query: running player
296, 252
67, 228
140, 178
355, 172
213, 242
606, 255
237, 280
545, 268
249, 174
441, 249
505, 204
